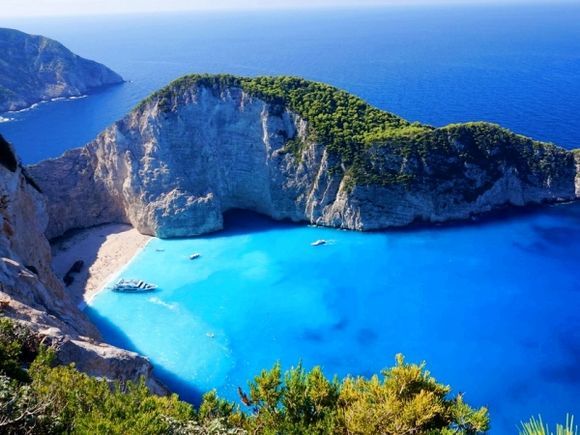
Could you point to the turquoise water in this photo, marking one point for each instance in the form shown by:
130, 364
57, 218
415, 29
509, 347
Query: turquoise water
492, 307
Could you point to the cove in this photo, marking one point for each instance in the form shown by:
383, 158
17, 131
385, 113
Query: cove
492, 307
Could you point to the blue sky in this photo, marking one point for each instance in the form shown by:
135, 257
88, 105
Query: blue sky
11, 8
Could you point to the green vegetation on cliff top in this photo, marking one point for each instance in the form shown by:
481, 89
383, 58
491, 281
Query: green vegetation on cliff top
374, 147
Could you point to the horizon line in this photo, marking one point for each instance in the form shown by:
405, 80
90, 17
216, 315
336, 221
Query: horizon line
301, 7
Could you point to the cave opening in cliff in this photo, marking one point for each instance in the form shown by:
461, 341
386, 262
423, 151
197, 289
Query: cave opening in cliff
240, 221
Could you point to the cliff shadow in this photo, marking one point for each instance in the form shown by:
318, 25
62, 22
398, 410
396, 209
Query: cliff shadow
568, 210
238, 222
115, 336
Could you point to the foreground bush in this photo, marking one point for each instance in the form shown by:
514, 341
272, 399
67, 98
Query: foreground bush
39, 398
405, 399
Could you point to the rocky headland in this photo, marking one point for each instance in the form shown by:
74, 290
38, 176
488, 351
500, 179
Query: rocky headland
292, 149
35, 68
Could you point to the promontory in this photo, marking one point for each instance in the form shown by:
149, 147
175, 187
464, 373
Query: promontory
34, 68
292, 149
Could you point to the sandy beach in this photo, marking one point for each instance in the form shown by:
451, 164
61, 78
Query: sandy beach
104, 250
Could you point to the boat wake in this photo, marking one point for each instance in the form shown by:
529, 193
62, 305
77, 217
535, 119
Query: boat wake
155, 300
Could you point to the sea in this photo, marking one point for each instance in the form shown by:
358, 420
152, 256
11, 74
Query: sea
493, 306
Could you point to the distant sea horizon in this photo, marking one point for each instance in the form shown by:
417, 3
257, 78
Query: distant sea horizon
515, 65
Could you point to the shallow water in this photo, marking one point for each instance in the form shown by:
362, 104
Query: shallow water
492, 307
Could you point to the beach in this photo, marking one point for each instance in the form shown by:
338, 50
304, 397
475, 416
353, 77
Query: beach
104, 250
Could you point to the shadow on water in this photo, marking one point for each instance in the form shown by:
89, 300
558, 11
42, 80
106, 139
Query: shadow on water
549, 240
116, 337
569, 210
239, 222
565, 372
558, 235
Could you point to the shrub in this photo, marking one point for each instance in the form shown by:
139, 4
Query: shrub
407, 399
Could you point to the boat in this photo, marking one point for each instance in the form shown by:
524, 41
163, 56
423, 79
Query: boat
318, 243
194, 256
133, 286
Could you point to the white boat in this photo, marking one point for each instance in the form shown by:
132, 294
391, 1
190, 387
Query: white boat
194, 256
318, 243
133, 286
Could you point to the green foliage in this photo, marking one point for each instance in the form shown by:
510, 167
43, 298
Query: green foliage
21, 411
407, 399
85, 404
297, 402
338, 119
537, 427
374, 147
16, 345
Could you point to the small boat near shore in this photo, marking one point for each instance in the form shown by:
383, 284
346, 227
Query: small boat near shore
318, 243
195, 256
133, 286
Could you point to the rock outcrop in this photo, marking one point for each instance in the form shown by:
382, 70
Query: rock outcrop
33, 294
205, 145
35, 68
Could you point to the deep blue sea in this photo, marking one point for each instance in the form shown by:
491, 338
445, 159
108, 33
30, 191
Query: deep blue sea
517, 66
493, 307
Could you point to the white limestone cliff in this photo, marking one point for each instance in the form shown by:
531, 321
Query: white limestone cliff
171, 168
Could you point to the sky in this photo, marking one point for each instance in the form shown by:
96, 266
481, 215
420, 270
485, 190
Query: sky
23, 8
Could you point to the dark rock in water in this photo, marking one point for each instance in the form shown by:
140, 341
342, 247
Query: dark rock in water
35, 68
76, 267
68, 279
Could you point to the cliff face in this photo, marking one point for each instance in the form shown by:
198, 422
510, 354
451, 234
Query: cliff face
35, 296
186, 155
35, 68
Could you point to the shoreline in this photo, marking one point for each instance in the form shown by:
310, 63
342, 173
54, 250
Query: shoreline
88, 92
105, 251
